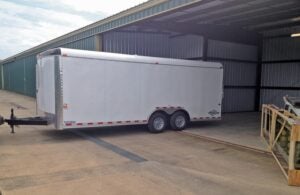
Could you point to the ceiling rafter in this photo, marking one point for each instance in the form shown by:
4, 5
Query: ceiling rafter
274, 25
245, 12
272, 15
248, 5
226, 5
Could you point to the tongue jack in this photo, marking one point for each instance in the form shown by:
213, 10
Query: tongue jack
14, 121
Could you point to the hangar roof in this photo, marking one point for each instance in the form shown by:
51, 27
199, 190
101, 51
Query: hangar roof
252, 15
262, 16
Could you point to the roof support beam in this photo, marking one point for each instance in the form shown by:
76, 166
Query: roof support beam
258, 73
273, 26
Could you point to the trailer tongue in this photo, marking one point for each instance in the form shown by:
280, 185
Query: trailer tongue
14, 121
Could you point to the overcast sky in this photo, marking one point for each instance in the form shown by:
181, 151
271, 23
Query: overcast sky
27, 23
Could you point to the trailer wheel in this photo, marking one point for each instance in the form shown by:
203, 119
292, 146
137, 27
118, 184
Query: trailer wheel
178, 121
157, 123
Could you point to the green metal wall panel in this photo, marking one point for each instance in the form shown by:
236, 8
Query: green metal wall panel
29, 76
84, 44
6, 76
14, 76
19, 76
0, 76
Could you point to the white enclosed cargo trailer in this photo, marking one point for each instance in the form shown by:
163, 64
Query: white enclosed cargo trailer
79, 89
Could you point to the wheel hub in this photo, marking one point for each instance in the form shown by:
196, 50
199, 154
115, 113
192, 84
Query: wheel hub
180, 121
158, 123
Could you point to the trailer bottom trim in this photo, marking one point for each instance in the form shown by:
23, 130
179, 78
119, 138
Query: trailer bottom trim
101, 124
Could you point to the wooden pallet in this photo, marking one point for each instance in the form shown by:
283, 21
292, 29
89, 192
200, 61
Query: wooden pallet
276, 124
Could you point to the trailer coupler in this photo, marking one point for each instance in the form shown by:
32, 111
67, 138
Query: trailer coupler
14, 121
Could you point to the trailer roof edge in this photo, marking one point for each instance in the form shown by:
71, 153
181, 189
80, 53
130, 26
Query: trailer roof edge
75, 53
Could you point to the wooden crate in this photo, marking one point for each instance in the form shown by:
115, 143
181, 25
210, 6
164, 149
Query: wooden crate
281, 131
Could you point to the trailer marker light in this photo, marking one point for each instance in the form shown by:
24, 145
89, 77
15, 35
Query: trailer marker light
65, 106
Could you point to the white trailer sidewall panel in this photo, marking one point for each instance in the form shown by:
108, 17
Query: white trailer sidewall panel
102, 89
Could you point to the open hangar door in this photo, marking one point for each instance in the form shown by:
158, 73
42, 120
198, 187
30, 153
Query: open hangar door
252, 39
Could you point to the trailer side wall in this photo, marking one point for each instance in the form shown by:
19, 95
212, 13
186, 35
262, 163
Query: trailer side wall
96, 91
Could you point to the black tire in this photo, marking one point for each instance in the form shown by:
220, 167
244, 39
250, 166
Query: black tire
153, 124
178, 125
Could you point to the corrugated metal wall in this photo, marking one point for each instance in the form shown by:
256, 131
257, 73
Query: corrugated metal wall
282, 48
146, 44
228, 50
19, 75
239, 73
281, 74
84, 44
239, 61
153, 44
238, 100
271, 96
280, 69
186, 46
